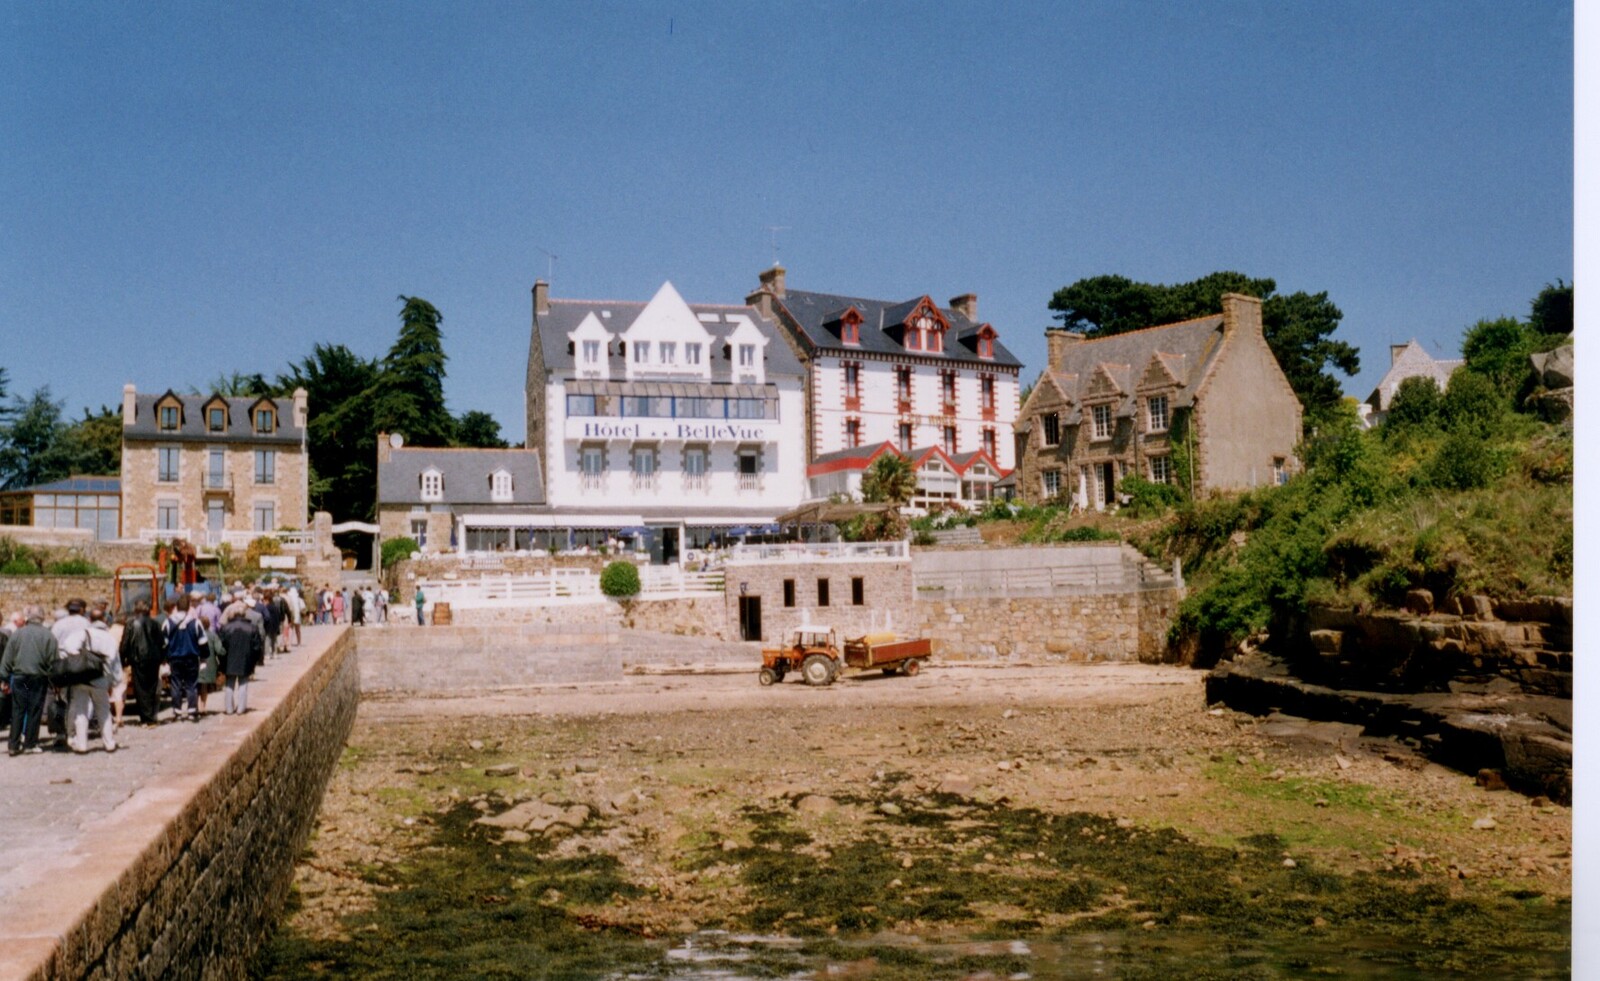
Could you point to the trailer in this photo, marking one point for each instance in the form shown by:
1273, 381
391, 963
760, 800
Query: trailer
887, 653
816, 654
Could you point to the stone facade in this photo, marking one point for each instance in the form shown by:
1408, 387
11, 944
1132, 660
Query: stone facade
885, 596
481, 658
186, 877
170, 498
1124, 626
1135, 404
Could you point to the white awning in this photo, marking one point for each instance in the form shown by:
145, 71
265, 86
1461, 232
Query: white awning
550, 520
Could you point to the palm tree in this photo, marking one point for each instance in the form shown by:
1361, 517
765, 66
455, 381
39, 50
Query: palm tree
890, 478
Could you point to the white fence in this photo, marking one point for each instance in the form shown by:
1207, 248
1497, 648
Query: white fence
294, 541
818, 551
564, 586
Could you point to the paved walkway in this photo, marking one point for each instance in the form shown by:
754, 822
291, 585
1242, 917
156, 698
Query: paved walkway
58, 809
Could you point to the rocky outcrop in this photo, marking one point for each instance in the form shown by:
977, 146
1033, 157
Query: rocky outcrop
1524, 738
1554, 377
1475, 683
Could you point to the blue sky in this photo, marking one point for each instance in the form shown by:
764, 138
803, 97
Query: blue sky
192, 189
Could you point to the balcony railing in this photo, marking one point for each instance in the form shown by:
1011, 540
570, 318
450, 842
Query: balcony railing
217, 483
696, 483
646, 482
750, 482
592, 481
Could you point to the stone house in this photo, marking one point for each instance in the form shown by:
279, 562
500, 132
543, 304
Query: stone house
474, 499
1206, 394
211, 468
1407, 360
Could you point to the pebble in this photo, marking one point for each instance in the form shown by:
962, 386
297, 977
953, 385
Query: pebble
476, 744
1124, 822
1289, 863
500, 770
1003, 765
1009, 714
1485, 823
890, 808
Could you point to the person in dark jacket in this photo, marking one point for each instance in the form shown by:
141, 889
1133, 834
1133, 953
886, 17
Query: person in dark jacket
271, 618
26, 668
143, 649
186, 639
241, 652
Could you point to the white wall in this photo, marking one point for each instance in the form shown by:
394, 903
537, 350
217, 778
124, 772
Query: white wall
880, 415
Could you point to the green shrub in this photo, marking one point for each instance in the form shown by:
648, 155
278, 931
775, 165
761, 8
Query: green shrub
74, 567
395, 549
18, 566
1147, 498
620, 579
1464, 461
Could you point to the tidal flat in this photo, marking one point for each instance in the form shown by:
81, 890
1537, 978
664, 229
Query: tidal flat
1003, 823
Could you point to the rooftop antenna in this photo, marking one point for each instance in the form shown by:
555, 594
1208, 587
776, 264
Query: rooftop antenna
774, 230
550, 273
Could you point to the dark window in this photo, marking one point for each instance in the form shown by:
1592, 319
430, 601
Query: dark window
822, 592
788, 592
858, 591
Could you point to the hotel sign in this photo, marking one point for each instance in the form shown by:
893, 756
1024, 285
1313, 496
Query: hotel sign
686, 430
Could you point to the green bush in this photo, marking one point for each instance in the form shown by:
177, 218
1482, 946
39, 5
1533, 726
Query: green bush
620, 579
18, 566
1464, 461
74, 567
1147, 498
395, 549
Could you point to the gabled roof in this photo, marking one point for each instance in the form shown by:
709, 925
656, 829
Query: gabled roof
1185, 348
1411, 360
192, 426
552, 327
854, 458
466, 473
810, 312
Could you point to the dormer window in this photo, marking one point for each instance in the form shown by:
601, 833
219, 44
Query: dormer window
266, 420
591, 352
1102, 421
1157, 412
850, 327
918, 328
747, 355
669, 352
500, 486
986, 336
691, 353
641, 352
432, 484
936, 341
168, 418
216, 419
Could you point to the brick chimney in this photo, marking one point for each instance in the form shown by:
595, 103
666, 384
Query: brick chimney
1240, 312
384, 450
1395, 350
771, 288
772, 280
967, 305
1057, 341
128, 405
541, 297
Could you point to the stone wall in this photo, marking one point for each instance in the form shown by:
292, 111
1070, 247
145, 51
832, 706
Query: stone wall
189, 889
690, 616
483, 658
1126, 626
51, 592
885, 595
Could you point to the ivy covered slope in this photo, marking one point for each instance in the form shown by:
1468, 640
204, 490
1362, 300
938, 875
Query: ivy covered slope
1465, 491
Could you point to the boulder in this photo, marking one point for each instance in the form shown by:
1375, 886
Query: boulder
537, 817
1419, 601
1555, 369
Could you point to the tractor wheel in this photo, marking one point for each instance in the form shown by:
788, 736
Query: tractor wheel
817, 669
767, 676
912, 667
780, 671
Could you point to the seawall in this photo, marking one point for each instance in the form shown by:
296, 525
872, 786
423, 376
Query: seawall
180, 873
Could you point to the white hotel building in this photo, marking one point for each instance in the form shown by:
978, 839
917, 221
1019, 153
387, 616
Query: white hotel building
687, 420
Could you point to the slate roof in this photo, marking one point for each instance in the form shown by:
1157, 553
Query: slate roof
1186, 348
564, 317
192, 424
813, 312
1411, 360
466, 476
78, 484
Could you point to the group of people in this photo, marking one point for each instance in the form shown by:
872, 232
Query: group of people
362, 605
81, 665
